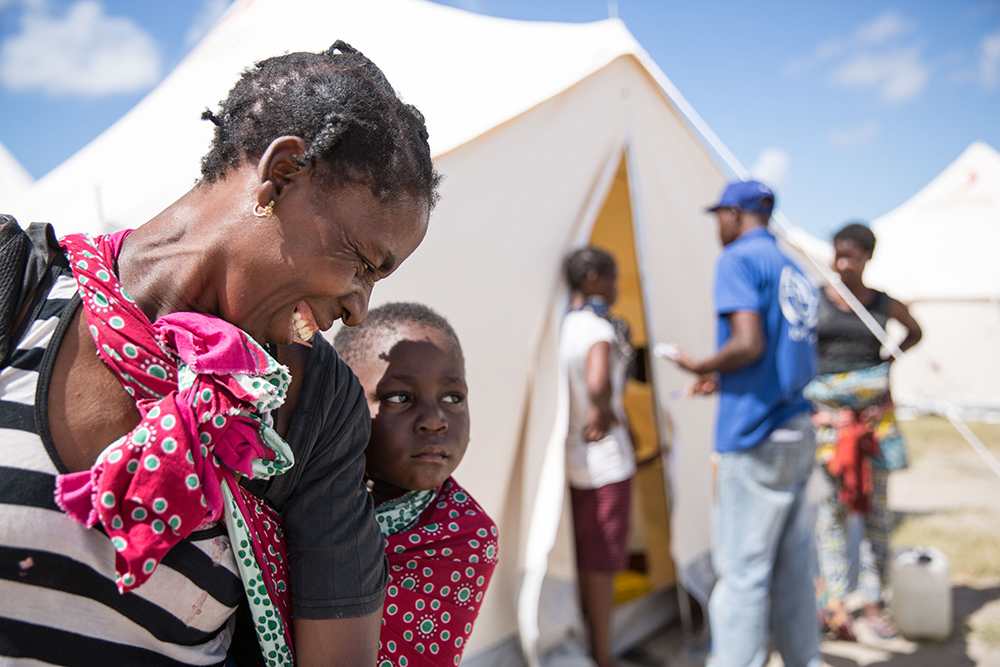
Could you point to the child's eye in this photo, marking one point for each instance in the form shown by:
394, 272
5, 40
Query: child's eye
453, 398
395, 398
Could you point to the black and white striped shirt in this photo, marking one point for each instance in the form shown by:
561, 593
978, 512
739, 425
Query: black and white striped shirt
58, 600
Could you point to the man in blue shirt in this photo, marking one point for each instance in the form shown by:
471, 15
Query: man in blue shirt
762, 529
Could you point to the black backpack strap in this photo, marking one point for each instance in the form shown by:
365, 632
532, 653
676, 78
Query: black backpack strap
15, 246
25, 257
44, 246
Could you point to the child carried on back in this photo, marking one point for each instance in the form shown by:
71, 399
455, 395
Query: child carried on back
442, 547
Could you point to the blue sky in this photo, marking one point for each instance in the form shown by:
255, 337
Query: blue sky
848, 108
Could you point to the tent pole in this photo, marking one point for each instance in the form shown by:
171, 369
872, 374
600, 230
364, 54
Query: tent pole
684, 602
642, 264
642, 261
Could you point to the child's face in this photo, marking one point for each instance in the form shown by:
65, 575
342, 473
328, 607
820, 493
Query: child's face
414, 380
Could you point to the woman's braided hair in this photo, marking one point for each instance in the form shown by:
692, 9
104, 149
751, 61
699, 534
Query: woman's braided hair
355, 127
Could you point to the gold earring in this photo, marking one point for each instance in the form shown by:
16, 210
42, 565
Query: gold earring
264, 212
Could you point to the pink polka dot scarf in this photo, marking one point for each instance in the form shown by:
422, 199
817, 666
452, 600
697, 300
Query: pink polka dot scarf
202, 387
440, 568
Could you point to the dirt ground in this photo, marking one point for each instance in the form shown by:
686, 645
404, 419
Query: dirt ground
949, 499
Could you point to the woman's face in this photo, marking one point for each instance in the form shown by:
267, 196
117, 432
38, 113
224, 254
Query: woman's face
849, 261
319, 256
603, 284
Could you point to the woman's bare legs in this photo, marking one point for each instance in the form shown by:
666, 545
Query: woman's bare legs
597, 596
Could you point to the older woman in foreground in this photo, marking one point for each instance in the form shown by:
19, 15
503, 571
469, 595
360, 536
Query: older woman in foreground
168, 449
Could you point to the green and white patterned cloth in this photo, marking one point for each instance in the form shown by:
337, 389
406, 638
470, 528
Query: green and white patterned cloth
399, 514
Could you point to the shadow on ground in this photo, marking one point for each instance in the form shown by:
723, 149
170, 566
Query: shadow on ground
954, 652
670, 648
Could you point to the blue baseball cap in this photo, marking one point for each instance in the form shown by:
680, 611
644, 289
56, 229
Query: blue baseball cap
750, 196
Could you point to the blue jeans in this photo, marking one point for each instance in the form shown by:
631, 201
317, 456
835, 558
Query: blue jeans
763, 552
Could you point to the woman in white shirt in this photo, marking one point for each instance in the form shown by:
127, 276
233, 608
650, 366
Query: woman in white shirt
600, 462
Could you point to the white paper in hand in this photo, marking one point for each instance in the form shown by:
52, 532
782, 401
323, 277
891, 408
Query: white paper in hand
666, 350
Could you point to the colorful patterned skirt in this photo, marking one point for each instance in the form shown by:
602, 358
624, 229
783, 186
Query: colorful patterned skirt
866, 392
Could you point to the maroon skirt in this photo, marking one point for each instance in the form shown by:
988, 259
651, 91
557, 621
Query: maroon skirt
600, 524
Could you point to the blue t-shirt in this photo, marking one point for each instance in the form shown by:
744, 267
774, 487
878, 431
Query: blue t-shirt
753, 275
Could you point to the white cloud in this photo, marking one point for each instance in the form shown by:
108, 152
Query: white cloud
85, 53
989, 61
854, 136
826, 51
883, 27
898, 75
874, 56
771, 167
209, 12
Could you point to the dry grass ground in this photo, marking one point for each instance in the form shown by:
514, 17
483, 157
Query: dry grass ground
965, 527
949, 499
936, 434
970, 538
957, 511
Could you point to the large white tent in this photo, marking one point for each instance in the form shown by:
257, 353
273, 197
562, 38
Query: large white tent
937, 253
548, 135
14, 178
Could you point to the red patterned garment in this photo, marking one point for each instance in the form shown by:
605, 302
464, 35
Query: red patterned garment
440, 569
856, 447
202, 387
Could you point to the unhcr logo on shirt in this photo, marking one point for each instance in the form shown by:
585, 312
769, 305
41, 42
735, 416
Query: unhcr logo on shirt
799, 304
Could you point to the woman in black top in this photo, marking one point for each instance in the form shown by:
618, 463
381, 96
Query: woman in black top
845, 343
858, 441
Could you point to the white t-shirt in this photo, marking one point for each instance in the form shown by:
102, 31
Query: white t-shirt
590, 465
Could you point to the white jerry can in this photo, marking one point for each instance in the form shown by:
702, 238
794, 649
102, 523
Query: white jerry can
921, 593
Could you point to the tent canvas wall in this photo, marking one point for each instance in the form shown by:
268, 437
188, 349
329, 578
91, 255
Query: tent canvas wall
530, 124
14, 178
936, 253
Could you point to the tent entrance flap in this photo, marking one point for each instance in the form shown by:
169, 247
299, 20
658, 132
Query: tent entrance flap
651, 566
